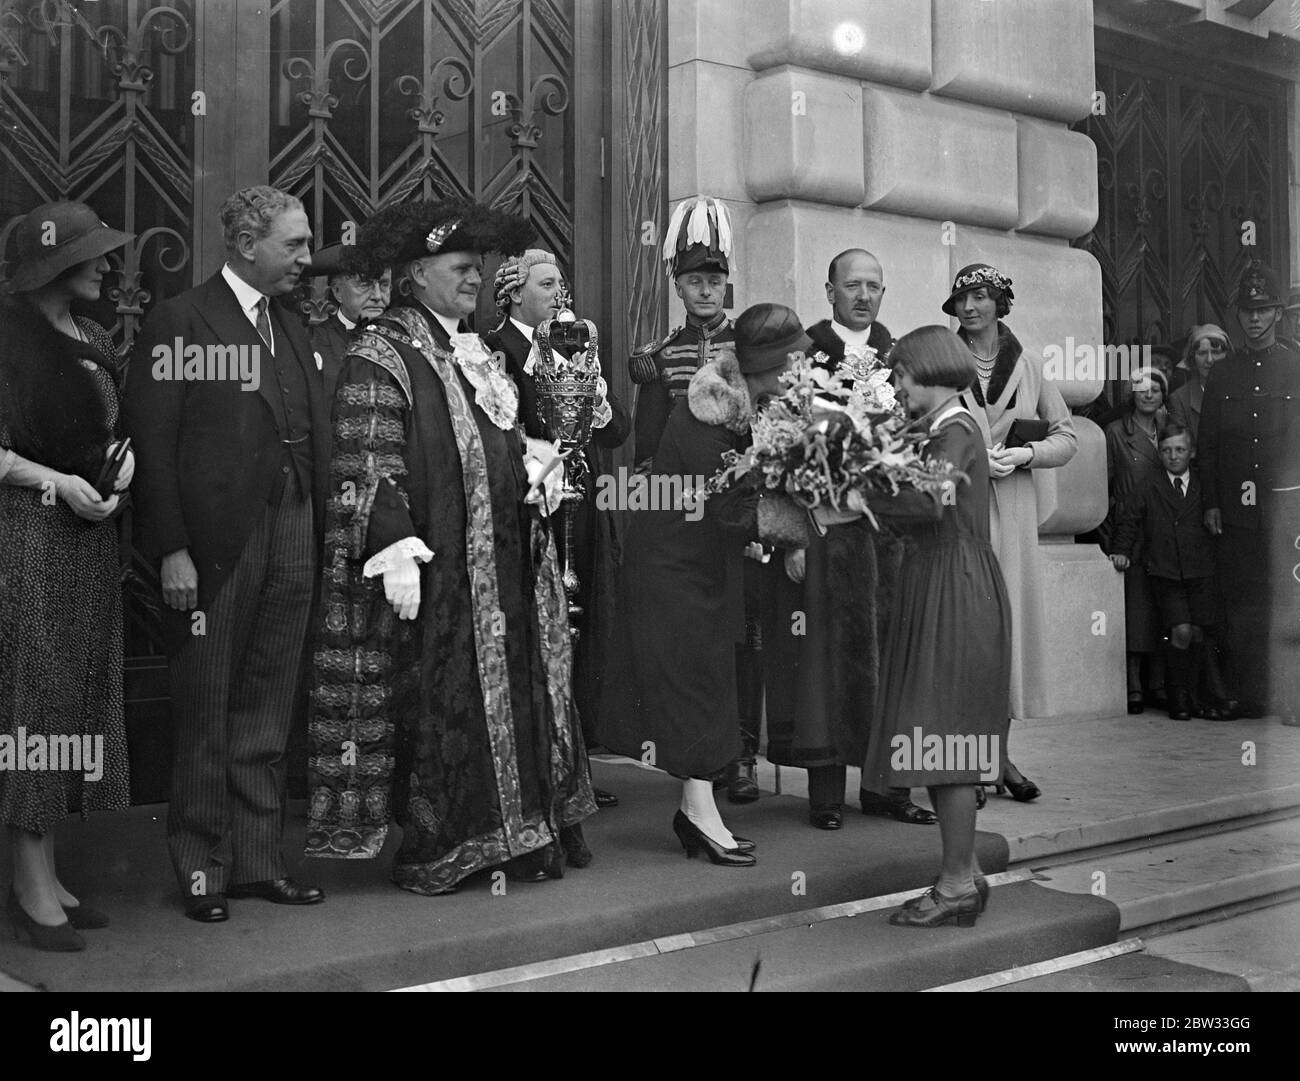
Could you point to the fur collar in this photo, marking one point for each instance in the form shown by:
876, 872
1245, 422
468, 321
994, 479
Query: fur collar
50, 402
718, 394
1009, 351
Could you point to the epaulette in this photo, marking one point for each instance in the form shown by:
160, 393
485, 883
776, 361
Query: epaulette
641, 365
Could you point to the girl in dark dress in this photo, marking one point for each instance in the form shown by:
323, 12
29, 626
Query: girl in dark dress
945, 672
60, 598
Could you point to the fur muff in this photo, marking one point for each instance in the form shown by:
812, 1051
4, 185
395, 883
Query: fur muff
782, 522
50, 404
718, 394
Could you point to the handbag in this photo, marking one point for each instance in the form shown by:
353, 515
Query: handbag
1024, 432
111, 469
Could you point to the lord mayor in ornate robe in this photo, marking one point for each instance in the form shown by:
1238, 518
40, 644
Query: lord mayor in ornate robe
459, 723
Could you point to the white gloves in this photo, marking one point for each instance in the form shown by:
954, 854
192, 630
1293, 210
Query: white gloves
402, 587
399, 563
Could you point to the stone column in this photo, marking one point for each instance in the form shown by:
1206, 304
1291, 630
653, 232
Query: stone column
934, 133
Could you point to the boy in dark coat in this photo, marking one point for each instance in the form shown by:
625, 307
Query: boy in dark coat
1166, 512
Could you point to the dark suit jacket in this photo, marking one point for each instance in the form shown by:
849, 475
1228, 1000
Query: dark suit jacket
331, 340
1174, 539
208, 451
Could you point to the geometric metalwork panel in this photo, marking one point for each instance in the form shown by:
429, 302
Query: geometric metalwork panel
1189, 162
375, 101
95, 106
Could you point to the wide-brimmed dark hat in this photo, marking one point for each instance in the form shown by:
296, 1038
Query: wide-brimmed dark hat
405, 231
56, 236
977, 276
766, 334
1259, 289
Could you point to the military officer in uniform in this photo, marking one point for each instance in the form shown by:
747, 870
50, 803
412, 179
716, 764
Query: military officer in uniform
695, 252
1251, 400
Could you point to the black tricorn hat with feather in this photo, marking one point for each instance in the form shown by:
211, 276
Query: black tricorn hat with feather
402, 232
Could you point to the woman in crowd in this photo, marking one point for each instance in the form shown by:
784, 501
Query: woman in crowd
946, 666
1206, 346
60, 597
1132, 455
1026, 425
670, 698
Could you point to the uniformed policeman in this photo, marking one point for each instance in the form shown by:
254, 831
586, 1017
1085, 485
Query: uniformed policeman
696, 249
1251, 400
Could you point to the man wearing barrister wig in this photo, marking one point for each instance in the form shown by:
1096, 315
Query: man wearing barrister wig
529, 291
442, 689
697, 247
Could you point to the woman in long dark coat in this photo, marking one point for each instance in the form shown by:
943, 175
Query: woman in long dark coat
1132, 457
670, 698
60, 594
946, 667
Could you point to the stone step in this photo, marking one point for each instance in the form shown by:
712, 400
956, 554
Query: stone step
1168, 881
1024, 923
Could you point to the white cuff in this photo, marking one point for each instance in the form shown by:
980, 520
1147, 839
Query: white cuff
407, 548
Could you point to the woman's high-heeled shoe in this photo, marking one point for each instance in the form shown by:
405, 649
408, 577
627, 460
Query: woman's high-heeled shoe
60, 939
941, 909
85, 919
743, 844
1022, 791
693, 839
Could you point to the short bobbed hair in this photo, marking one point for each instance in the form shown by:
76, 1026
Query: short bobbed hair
935, 357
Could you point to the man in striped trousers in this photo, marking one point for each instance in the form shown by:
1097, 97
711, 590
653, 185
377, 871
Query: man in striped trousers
225, 404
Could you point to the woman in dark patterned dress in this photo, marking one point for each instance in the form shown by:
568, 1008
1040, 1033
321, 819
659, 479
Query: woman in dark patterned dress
946, 671
60, 593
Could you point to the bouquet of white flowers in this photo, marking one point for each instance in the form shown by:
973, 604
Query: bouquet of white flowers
832, 439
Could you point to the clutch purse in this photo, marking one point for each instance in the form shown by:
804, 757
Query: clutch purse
112, 467
1024, 432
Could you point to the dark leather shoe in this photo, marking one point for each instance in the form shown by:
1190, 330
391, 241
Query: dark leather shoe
209, 909
902, 810
742, 786
826, 820
279, 891
530, 867
1135, 704
604, 799
743, 844
576, 852
84, 918
1180, 708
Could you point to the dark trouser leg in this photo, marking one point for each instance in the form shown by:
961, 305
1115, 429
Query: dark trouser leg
826, 788
1243, 578
232, 691
742, 784
262, 698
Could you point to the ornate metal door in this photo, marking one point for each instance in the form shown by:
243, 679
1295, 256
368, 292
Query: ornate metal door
1191, 161
153, 111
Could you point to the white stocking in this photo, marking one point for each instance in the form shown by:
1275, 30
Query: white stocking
698, 806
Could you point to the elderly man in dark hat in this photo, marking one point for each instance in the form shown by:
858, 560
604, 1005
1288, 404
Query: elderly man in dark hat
1251, 401
358, 299
442, 690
